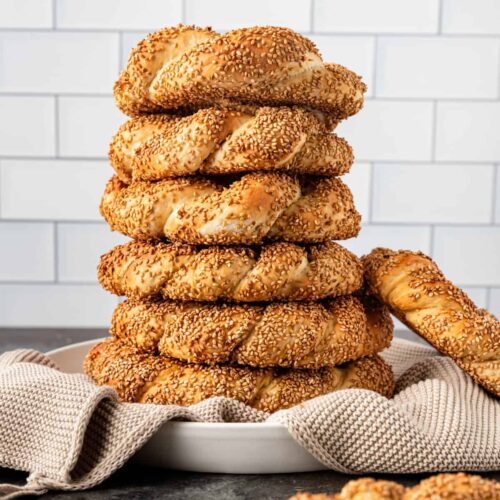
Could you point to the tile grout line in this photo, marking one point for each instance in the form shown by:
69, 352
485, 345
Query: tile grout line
440, 18
120, 50
56, 126
54, 15
371, 192
374, 67
494, 201
498, 89
431, 241
56, 252
434, 131
183, 11
311, 14
48, 283
416, 34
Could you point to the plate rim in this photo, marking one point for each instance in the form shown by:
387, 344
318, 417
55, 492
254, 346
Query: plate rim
198, 425
180, 423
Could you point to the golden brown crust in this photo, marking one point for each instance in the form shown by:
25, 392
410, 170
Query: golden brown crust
418, 293
225, 140
439, 487
147, 58
324, 211
189, 67
289, 335
454, 487
146, 378
365, 488
256, 207
278, 271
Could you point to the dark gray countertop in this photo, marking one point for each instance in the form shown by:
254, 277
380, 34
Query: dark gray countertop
134, 482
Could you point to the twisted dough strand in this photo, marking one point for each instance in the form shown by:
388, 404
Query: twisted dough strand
298, 335
146, 378
190, 67
258, 206
418, 293
273, 272
224, 140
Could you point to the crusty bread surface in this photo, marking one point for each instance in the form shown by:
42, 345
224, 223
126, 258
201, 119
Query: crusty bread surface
146, 378
190, 67
459, 486
418, 293
251, 209
290, 334
277, 271
227, 141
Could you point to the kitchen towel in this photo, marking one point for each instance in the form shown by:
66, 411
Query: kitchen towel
70, 434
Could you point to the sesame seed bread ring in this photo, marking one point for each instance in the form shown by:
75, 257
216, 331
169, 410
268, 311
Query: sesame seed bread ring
278, 271
439, 487
454, 487
146, 378
288, 334
256, 207
418, 293
146, 60
223, 140
360, 489
190, 67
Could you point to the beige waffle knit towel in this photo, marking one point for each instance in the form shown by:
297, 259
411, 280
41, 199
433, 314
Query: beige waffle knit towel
71, 435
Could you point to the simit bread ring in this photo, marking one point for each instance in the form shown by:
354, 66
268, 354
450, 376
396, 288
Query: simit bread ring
291, 335
419, 294
145, 378
439, 487
256, 207
190, 67
219, 141
278, 271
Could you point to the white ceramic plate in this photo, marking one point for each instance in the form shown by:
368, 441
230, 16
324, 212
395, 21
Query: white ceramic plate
210, 447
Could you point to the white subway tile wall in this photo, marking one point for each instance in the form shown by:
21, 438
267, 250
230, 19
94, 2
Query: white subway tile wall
228, 14
468, 131
79, 247
26, 14
427, 143
86, 125
117, 14
52, 189
414, 193
58, 61
27, 126
391, 130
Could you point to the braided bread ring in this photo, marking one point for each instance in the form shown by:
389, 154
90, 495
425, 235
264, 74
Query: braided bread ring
218, 141
190, 67
223, 140
290, 335
256, 207
419, 294
145, 378
279, 271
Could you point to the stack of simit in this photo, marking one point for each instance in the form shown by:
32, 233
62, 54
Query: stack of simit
227, 179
